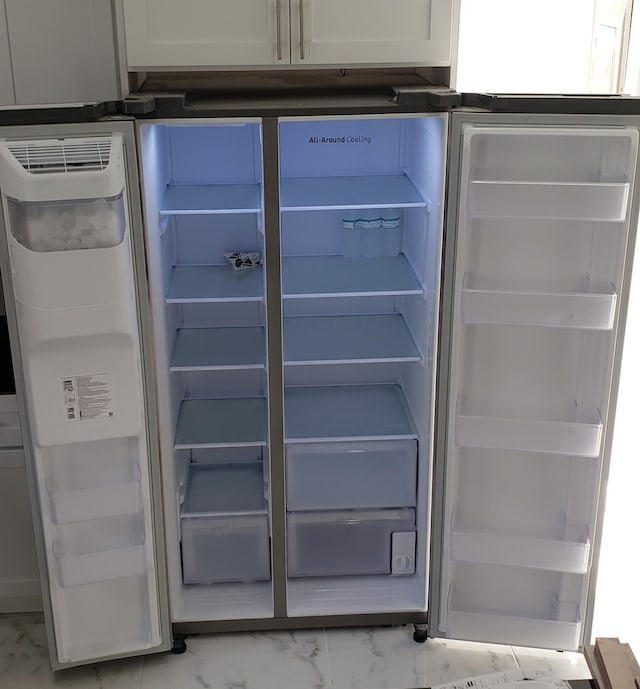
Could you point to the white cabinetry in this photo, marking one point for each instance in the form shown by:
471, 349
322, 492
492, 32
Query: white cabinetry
7, 96
60, 52
163, 34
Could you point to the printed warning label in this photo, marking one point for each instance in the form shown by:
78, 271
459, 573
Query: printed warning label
88, 397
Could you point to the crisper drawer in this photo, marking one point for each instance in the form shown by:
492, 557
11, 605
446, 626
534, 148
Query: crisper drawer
225, 548
351, 542
351, 475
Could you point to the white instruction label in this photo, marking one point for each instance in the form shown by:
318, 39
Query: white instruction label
87, 397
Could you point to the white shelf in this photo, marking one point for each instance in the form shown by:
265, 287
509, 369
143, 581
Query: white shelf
215, 349
375, 191
596, 201
353, 595
559, 629
335, 276
581, 437
355, 412
89, 568
198, 284
10, 432
580, 309
209, 199
345, 339
567, 553
222, 423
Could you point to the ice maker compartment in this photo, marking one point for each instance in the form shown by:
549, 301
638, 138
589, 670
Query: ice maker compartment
350, 542
351, 475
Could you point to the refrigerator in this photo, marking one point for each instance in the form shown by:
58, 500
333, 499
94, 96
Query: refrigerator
318, 361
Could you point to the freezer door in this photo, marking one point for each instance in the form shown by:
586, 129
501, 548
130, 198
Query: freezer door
71, 269
540, 211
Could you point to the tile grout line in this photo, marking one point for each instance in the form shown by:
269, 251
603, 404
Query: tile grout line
326, 646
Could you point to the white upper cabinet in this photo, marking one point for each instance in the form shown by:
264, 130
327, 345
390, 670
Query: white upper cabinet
343, 32
197, 33
242, 33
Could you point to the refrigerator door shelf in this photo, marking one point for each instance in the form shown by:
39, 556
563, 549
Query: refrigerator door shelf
114, 490
596, 201
10, 432
560, 627
569, 552
351, 542
351, 475
587, 308
581, 436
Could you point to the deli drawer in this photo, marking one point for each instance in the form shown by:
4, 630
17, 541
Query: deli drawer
351, 475
350, 542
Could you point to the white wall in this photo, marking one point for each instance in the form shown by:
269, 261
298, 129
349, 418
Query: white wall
525, 46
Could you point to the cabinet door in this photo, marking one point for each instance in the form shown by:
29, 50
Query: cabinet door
62, 52
192, 33
366, 32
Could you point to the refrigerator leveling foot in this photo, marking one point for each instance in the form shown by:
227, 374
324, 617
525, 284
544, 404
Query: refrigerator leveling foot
179, 645
420, 633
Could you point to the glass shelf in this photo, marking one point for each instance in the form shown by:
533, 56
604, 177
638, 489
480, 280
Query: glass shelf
335, 276
344, 339
222, 423
356, 412
197, 284
212, 349
374, 191
210, 199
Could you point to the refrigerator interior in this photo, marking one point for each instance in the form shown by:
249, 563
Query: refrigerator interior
203, 197
543, 220
66, 210
361, 227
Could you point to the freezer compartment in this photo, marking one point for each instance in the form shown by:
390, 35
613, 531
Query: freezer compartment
567, 552
224, 523
93, 480
100, 549
351, 475
352, 542
588, 307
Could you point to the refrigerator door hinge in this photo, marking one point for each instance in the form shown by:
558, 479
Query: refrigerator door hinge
554, 104
160, 104
437, 97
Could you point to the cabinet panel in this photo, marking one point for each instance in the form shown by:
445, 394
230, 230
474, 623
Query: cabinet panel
163, 33
362, 32
75, 59
7, 96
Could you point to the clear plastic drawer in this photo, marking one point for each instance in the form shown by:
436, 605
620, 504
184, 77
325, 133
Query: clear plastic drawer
351, 475
350, 542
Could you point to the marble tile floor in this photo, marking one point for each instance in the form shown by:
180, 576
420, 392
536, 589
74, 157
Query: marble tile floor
380, 658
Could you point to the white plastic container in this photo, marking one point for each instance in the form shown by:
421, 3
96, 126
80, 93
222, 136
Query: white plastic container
351, 475
350, 542
371, 225
225, 527
351, 235
391, 233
